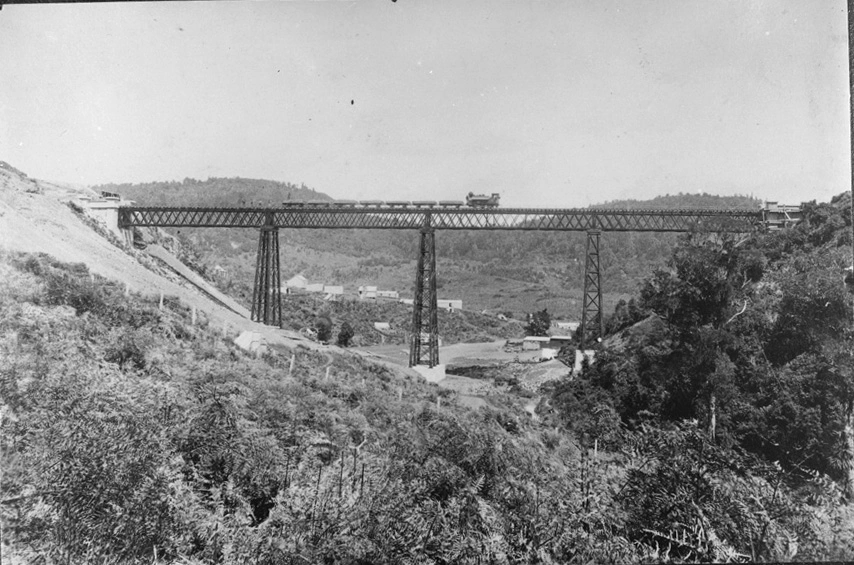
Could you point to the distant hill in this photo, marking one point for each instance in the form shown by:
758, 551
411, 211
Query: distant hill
684, 200
214, 192
498, 271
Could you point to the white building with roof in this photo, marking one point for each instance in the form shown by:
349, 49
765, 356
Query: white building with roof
295, 282
449, 305
368, 292
533, 342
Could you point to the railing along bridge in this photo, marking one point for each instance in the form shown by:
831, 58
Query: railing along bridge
429, 217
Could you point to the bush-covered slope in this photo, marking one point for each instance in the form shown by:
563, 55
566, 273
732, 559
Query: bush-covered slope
748, 340
131, 435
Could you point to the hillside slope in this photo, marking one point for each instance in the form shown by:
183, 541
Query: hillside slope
35, 218
132, 435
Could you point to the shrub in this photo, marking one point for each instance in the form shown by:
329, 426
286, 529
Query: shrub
64, 289
539, 323
128, 349
711, 504
96, 459
345, 334
323, 326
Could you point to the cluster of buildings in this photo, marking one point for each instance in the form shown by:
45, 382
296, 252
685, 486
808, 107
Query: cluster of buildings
373, 293
299, 283
549, 346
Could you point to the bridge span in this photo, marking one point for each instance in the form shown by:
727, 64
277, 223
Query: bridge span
424, 349
403, 217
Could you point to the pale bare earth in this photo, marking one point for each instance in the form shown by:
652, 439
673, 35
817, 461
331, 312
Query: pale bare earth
459, 353
473, 393
42, 222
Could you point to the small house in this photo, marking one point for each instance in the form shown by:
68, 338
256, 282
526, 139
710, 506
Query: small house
314, 287
368, 292
298, 281
449, 305
562, 325
532, 343
558, 341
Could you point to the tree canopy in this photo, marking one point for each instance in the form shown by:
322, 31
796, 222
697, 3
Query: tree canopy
539, 323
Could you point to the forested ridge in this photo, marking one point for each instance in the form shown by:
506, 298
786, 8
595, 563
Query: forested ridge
713, 426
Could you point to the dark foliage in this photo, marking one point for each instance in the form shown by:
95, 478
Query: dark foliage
345, 334
323, 326
751, 348
539, 323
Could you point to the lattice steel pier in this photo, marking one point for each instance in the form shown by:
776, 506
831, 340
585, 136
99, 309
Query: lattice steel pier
424, 340
267, 294
591, 310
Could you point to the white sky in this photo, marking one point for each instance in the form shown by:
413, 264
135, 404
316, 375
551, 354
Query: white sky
550, 103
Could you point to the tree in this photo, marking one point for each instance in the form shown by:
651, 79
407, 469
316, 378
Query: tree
345, 334
752, 348
539, 323
324, 329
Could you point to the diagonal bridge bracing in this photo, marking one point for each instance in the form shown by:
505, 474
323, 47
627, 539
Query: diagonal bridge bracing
267, 291
526, 219
424, 337
266, 305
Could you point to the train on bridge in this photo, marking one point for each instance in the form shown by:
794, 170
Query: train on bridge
472, 201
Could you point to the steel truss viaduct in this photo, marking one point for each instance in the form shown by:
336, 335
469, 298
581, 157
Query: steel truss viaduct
424, 350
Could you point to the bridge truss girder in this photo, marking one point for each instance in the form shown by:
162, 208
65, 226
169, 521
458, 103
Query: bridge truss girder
266, 303
523, 219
